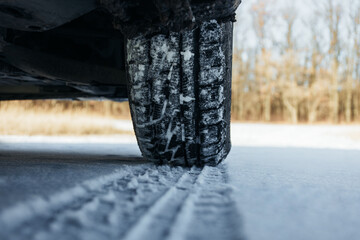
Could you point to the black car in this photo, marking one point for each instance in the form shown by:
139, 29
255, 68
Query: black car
170, 58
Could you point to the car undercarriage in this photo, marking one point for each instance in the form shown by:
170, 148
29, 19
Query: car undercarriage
171, 59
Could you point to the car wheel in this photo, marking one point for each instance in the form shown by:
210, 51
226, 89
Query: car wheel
180, 94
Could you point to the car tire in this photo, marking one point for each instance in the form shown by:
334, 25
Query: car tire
179, 88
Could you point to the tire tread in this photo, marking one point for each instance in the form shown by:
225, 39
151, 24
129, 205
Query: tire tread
179, 88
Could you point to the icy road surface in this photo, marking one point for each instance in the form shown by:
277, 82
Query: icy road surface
279, 182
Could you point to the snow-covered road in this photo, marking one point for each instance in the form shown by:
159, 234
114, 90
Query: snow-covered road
279, 182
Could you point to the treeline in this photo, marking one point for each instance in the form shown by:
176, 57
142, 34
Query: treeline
304, 68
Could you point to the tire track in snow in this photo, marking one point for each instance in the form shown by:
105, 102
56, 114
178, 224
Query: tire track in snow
137, 202
198, 206
101, 208
209, 212
156, 221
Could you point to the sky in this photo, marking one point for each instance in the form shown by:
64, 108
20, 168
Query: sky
306, 10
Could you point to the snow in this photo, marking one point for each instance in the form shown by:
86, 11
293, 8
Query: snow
125, 125
2, 181
133, 184
186, 99
166, 49
142, 68
296, 182
187, 54
279, 182
309, 136
144, 178
170, 72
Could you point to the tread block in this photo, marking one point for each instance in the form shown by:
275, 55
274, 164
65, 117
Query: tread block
138, 72
138, 49
142, 113
211, 97
209, 76
211, 56
210, 135
211, 117
210, 32
140, 94
158, 88
210, 150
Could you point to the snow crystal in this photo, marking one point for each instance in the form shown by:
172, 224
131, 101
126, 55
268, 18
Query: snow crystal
182, 132
213, 21
157, 98
187, 55
137, 95
221, 94
141, 67
170, 72
169, 54
186, 99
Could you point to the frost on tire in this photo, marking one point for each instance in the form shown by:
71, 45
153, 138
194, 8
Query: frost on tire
179, 94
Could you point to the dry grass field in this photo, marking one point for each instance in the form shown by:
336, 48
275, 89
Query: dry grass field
61, 117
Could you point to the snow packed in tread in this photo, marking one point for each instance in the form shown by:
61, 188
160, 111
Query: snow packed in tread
178, 109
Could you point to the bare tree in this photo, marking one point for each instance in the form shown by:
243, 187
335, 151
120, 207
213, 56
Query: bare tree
288, 81
315, 87
239, 75
261, 19
299, 81
333, 17
355, 30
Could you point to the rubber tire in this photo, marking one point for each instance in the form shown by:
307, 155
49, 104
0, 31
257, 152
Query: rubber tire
180, 94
